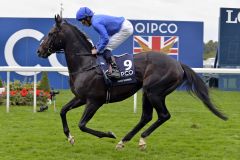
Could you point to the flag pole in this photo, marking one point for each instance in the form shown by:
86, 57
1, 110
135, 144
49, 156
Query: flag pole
61, 9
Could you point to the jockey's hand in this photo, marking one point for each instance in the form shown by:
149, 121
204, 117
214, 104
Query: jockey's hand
94, 51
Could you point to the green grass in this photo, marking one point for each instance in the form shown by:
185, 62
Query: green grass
192, 133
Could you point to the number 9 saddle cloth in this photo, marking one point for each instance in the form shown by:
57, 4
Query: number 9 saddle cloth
126, 68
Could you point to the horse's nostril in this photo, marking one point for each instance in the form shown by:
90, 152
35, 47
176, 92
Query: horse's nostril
38, 53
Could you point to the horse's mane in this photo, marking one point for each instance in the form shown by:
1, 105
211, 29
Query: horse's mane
80, 34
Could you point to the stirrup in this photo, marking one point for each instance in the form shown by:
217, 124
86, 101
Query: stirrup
115, 74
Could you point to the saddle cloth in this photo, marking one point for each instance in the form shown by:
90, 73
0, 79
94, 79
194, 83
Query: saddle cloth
125, 66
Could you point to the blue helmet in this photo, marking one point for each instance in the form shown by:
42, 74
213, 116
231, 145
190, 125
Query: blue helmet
84, 12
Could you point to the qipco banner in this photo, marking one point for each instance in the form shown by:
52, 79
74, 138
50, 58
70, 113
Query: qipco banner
20, 38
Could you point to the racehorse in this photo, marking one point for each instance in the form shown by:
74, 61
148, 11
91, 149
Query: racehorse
157, 74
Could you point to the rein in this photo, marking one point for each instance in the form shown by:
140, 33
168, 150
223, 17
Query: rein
84, 69
78, 54
86, 54
88, 68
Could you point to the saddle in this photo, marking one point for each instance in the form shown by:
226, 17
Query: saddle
125, 66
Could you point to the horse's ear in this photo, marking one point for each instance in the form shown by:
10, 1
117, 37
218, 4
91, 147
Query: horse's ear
58, 20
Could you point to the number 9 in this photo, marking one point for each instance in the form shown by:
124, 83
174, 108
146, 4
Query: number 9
127, 64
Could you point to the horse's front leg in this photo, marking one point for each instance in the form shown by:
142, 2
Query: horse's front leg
74, 103
90, 110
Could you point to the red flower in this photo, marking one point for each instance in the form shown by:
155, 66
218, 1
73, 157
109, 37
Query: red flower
47, 94
38, 92
23, 92
12, 93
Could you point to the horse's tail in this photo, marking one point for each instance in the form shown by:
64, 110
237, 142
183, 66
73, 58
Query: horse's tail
196, 85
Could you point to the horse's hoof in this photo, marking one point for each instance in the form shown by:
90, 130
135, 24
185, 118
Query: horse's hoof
120, 146
142, 144
143, 147
71, 140
112, 135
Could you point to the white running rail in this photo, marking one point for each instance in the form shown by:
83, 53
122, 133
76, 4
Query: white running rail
9, 69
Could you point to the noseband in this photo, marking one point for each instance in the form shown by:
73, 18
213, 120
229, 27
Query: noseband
51, 44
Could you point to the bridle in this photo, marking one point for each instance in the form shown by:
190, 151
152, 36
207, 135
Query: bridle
51, 43
51, 48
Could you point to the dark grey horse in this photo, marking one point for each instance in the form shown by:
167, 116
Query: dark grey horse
157, 74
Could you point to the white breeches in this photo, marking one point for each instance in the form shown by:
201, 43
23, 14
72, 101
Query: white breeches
118, 38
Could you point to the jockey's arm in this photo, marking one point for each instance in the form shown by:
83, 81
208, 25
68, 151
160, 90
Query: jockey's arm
104, 38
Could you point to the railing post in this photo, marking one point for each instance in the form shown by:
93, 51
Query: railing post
35, 93
135, 103
8, 92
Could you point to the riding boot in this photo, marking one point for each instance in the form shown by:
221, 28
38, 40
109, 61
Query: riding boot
115, 73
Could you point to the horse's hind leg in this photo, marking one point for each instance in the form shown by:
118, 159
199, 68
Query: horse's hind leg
163, 116
74, 103
147, 112
90, 110
162, 112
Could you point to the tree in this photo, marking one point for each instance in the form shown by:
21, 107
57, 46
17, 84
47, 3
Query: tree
1, 84
210, 49
44, 83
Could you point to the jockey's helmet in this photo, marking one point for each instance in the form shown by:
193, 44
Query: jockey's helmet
83, 13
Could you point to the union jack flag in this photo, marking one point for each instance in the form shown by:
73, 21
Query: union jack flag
165, 44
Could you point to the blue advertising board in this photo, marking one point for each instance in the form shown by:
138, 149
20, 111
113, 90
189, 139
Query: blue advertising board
229, 39
20, 38
229, 47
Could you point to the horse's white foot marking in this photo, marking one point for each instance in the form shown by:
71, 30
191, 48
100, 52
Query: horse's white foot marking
71, 139
120, 145
142, 144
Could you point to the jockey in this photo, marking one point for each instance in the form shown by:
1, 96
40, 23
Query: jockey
113, 31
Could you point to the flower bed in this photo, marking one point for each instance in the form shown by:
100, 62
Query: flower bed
22, 94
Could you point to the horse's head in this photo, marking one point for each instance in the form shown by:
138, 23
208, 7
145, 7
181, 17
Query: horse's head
53, 41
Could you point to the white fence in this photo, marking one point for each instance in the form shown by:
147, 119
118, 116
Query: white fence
9, 69
28, 69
